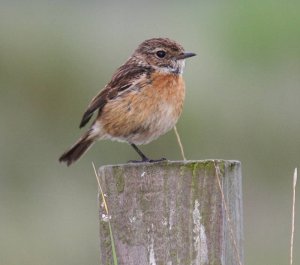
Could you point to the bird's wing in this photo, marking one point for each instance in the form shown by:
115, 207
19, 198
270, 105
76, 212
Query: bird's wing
126, 77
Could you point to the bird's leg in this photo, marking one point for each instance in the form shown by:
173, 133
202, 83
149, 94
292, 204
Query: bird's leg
144, 158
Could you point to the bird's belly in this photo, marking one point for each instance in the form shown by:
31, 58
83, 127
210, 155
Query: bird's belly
158, 123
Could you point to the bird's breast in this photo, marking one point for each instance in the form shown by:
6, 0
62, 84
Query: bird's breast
163, 103
169, 88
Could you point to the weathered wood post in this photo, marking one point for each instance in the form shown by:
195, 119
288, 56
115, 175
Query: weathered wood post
172, 213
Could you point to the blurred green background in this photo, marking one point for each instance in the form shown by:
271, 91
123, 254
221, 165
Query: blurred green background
242, 103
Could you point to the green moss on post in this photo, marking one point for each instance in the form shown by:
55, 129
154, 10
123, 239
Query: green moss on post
172, 213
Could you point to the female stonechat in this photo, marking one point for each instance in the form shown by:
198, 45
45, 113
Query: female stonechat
143, 100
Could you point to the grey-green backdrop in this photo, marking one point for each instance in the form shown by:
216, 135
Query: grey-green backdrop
242, 103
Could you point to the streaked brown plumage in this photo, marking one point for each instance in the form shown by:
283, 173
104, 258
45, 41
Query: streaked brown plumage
143, 100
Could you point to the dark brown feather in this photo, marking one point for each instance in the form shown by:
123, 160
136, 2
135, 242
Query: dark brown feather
77, 150
120, 82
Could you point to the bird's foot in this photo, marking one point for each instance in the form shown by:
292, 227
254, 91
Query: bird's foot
147, 160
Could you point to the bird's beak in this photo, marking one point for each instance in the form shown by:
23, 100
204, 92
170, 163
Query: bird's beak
185, 55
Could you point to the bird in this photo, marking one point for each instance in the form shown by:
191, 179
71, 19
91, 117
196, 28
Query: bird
143, 100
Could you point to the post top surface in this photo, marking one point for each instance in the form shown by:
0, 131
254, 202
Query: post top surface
174, 163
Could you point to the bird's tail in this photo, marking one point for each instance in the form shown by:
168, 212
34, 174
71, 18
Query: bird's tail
78, 149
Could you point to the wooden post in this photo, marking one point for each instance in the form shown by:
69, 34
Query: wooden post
185, 212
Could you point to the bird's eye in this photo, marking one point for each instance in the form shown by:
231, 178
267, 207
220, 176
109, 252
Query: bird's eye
161, 54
